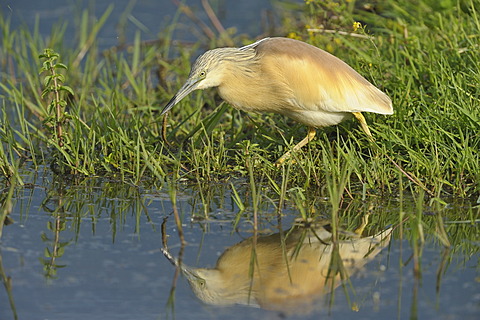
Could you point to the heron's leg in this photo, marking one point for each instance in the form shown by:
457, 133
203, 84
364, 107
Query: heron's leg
363, 123
310, 135
364, 223
164, 130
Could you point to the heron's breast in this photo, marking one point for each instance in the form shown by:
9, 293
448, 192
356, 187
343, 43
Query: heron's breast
318, 118
252, 97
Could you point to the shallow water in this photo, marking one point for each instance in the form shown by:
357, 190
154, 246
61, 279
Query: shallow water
151, 16
111, 266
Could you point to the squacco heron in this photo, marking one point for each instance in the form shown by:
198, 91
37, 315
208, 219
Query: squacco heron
288, 77
289, 273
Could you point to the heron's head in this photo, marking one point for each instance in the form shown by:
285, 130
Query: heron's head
207, 72
208, 285
210, 68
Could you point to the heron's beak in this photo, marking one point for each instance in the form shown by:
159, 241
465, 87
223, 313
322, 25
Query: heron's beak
188, 272
188, 87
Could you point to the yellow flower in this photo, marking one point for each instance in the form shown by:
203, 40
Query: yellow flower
293, 35
356, 25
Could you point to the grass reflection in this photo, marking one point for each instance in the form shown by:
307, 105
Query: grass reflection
418, 224
330, 224
7, 283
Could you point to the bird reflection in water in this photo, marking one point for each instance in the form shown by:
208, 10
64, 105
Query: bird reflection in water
289, 271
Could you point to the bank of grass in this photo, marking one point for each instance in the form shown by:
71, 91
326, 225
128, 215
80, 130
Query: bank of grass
426, 60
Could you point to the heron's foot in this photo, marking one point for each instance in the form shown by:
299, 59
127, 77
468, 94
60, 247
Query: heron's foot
310, 135
363, 123
365, 221
286, 156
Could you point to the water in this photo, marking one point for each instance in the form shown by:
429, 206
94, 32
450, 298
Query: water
111, 266
151, 16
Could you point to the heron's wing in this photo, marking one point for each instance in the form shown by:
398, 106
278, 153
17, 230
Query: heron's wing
318, 80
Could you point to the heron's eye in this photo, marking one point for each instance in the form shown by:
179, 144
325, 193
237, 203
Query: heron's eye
203, 74
202, 283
